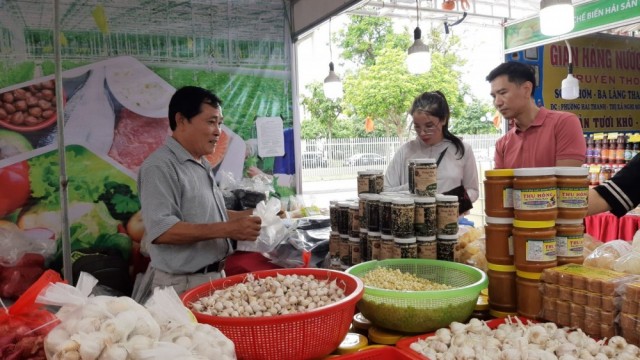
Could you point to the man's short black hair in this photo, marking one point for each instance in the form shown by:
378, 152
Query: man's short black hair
516, 72
188, 101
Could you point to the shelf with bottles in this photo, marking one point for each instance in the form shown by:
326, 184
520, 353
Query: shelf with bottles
607, 153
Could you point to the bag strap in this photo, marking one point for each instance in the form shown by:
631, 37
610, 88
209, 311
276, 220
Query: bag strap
440, 157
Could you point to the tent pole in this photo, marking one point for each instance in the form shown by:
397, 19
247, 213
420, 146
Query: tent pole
64, 203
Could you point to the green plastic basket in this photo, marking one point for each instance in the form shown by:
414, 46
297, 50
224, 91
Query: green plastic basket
421, 311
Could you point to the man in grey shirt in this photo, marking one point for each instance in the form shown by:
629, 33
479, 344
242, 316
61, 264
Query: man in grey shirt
187, 228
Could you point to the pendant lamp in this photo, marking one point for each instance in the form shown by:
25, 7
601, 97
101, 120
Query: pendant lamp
332, 84
556, 17
570, 89
418, 58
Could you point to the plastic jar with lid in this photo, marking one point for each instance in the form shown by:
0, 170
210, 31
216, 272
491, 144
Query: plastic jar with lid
382, 336
405, 248
343, 217
535, 194
573, 192
354, 220
529, 294
362, 209
361, 324
364, 180
425, 216
386, 247
501, 314
354, 249
351, 343
373, 212
411, 168
446, 214
534, 244
445, 247
333, 214
425, 175
498, 193
334, 244
402, 217
345, 250
385, 214
363, 234
499, 242
502, 287
427, 247
373, 245
570, 241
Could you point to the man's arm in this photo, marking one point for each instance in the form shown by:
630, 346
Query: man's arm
244, 228
570, 163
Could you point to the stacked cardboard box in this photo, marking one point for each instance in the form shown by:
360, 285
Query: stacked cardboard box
630, 313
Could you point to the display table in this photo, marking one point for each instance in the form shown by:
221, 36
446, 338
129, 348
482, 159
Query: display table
606, 226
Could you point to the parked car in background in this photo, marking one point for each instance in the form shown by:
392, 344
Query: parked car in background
314, 160
364, 159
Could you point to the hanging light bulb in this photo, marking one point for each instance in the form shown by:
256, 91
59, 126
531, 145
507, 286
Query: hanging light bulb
570, 89
332, 84
418, 58
556, 17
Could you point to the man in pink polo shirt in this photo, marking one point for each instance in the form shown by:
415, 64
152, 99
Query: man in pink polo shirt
539, 137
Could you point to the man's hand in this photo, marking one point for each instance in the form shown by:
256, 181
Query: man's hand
245, 228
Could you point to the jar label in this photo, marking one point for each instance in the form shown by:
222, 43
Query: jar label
427, 250
541, 250
425, 181
334, 245
570, 245
374, 247
507, 198
345, 253
363, 183
355, 253
534, 199
447, 219
573, 198
386, 250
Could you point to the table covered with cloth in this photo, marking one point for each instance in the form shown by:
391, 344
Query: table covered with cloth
606, 226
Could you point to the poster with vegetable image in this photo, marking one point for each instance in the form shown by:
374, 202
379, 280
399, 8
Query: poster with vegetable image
121, 63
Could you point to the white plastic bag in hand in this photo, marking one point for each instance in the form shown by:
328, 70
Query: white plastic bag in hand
272, 230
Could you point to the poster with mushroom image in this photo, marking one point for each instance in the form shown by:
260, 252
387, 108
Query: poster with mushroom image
120, 67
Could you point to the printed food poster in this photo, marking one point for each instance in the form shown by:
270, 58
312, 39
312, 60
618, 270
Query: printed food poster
608, 69
120, 67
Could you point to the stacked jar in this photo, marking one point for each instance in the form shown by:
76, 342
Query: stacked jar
498, 192
446, 226
534, 234
425, 173
573, 192
370, 181
402, 227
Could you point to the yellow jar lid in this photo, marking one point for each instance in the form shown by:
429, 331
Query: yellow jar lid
482, 303
501, 268
371, 347
500, 314
529, 275
352, 343
361, 322
485, 291
534, 224
383, 336
499, 172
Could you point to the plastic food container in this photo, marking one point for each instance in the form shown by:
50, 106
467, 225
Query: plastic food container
534, 245
499, 241
570, 241
498, 193
534, 194
573, 192
425, 177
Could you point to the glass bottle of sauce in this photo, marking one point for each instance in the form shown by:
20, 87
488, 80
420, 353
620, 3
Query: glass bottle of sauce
620, 149
590, 149
604, 151
597, 152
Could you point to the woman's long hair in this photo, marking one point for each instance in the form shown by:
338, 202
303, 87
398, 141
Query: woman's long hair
435, 104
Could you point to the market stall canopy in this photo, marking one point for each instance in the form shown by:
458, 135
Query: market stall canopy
307, 14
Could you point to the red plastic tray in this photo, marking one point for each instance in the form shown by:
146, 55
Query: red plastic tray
383, 353
405, 343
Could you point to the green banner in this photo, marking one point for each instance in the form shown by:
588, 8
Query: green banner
589, 15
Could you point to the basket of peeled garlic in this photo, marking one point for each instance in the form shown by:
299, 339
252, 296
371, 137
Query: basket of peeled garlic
516, 338
296, 313
118, 328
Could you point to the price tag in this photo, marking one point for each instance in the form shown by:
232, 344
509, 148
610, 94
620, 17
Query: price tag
598, 136
612, 135
594, 169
